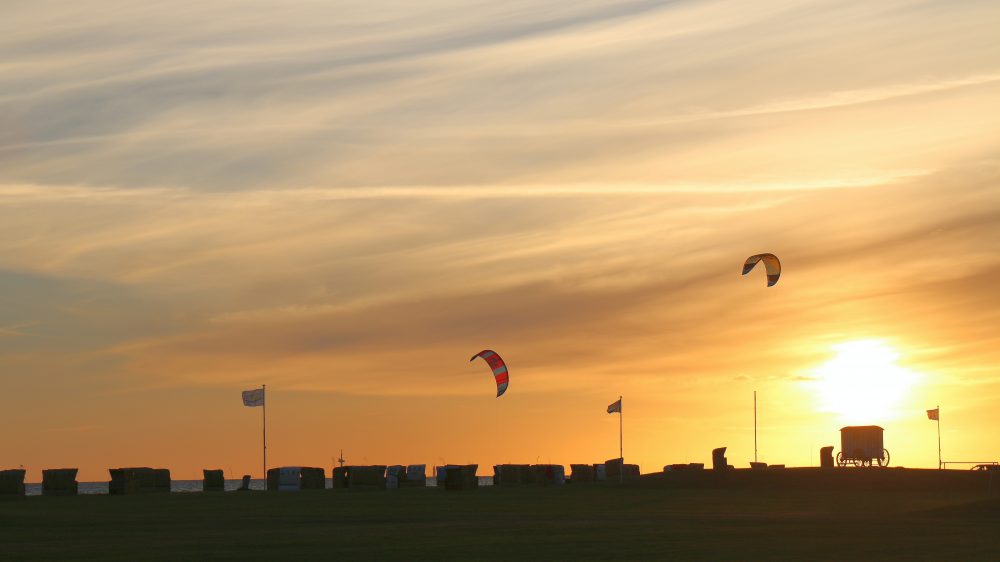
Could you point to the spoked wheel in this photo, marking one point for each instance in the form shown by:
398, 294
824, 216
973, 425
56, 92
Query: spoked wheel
858, 462
840, 459
884, 461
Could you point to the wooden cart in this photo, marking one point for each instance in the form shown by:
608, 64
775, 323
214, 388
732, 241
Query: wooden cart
861, 445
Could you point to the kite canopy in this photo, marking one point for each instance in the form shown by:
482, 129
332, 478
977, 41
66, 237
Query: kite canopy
498, 366
771, 264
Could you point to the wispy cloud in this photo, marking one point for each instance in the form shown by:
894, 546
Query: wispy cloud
17, 330
72, 429
515, 95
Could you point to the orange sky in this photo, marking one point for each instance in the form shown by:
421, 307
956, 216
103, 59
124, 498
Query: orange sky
346, 200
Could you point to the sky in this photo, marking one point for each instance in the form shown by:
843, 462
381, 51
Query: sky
346, 200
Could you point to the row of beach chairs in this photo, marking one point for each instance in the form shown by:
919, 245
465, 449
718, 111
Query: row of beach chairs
55, 482
139, 480
62, 481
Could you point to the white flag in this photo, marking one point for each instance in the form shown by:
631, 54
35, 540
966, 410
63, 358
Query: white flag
253, 397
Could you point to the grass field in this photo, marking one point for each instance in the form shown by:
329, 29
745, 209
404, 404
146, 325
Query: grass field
566, 523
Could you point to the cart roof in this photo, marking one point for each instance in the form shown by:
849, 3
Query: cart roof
857, 427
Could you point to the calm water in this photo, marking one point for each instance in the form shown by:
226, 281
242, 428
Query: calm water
187, 486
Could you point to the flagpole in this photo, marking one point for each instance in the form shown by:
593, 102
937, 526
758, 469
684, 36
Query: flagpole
264, 412
755, 426
939, 435
621, 447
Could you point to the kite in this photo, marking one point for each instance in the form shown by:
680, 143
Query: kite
771, 263
498, 366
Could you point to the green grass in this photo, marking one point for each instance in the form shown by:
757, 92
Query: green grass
567, 523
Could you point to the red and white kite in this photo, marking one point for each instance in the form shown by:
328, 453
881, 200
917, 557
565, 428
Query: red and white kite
499, 369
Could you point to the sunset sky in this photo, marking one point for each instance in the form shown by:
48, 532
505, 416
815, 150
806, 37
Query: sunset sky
346, 200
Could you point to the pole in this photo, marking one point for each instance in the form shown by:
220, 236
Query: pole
264, 411
621, 454
939, 435
755, 426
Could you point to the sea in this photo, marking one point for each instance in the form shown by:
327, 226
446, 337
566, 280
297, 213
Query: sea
191, 486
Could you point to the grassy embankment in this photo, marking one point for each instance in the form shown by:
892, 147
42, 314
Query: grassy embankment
572, 522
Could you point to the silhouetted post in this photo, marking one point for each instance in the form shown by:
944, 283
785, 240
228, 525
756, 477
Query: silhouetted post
755, 426
621, 447
264, 413
616, 407
939, 435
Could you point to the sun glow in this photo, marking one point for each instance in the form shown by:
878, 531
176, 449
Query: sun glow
862, 383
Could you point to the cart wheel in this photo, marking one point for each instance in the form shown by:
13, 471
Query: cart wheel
885, 460
858, 462
840, 459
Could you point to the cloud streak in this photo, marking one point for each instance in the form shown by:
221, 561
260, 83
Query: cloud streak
474, 98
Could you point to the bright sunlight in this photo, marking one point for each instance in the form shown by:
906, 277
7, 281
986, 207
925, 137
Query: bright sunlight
862, 383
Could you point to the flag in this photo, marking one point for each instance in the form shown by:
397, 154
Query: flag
253, 397
933, 414
616, 407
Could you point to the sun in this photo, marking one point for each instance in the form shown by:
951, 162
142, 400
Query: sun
862, 383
